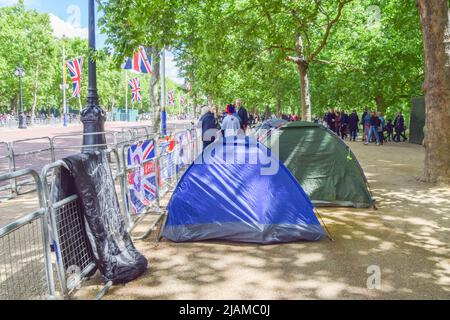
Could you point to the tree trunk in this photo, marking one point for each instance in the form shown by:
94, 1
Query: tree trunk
379, 100
305, 101
13, 106
154, 92
434, 17
36, 86
279, 107
267, 112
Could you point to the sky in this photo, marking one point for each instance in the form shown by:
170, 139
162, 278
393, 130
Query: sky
70, 18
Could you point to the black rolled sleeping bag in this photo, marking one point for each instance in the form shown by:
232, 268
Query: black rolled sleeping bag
112, 247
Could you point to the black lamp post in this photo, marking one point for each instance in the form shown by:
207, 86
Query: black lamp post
20, 73
93, 117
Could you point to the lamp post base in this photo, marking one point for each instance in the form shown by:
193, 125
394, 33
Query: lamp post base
22, 121
93, 119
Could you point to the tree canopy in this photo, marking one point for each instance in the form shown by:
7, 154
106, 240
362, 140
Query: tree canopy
358, 53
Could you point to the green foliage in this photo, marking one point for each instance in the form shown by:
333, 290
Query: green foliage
240, 48
26, 38
231, 48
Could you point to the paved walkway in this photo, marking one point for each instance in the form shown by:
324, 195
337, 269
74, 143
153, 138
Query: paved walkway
407, 238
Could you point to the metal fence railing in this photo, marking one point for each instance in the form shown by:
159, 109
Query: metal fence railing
25, 261
74, 259
6, 166
29, 153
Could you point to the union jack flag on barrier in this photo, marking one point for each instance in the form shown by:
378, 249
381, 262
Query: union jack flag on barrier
75, 67
139, 62
142, 180
135, 86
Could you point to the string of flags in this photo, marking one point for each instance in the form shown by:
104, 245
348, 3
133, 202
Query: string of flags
139, 63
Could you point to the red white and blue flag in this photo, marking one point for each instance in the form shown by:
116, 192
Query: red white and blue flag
135, 86
142, 180
171, 97
139, 62
75, 67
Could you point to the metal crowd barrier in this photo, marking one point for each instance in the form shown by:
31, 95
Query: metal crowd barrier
25, 261
26, 269
27, 159
6, 165
74, 260
160, 172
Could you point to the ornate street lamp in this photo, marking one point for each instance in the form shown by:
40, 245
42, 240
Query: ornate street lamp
93, 117
20, 73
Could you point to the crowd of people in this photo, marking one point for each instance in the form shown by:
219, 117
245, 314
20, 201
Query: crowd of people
236, 119
375, 128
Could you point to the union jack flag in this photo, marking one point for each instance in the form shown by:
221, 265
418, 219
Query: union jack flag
75, 67
135, 86
142, 180
139, 63
172, 97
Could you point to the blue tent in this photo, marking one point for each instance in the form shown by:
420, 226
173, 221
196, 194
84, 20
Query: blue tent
237, 191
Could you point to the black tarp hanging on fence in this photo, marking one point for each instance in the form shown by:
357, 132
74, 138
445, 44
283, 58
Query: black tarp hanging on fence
112, 247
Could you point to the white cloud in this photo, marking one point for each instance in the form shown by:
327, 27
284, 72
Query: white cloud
61, 27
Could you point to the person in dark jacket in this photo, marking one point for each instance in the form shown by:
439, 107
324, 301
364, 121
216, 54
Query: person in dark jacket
353, 121
242, 114
338, 123
344, 124
399, 125
390, 130
209, 126
331, 120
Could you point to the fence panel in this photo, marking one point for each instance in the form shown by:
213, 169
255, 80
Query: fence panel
6, 186
32, 153
25, 261
167, 165
140, 190
74, 258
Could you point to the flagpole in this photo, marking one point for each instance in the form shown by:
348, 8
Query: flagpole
179, 105
126, 94
163, 93
64, 84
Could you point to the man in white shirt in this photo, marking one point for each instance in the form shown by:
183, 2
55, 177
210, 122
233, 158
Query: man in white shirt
230, 124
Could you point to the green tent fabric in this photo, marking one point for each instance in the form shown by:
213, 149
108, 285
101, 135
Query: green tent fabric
322, 163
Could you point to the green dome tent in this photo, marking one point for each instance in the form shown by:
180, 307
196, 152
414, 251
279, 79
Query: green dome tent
322, 163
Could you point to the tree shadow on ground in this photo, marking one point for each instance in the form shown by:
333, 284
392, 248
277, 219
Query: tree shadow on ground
407, 238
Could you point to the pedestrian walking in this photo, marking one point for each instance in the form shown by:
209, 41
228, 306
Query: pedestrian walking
344, 124
242, 114
353, 121
399, 125
374, 124
230, 124
209, 126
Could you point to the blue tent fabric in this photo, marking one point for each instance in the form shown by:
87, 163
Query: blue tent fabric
219, 198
